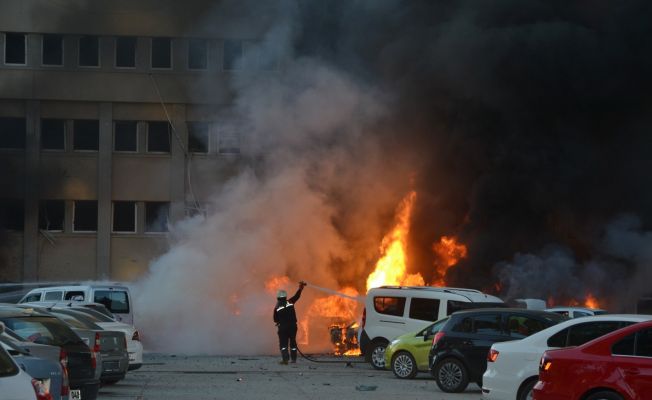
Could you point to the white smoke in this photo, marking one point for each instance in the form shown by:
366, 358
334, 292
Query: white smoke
305, 156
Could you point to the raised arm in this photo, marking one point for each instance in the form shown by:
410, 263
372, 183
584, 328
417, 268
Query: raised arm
297, 295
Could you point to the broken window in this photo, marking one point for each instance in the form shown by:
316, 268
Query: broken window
52, 51
232, 54
156, 216
198, 137
124, 216
53, 134
158, 137
197, 54
51, 215
84, 216
161, 53
15, 48
89, 51
125, 136
12, 133
12, 215
86, 134
125, 52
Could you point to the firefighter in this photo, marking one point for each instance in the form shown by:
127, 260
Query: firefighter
286, 321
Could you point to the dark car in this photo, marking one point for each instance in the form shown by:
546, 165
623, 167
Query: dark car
617, 366
43, 328
459, 350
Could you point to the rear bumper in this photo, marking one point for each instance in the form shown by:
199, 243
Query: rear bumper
134, 366
88, 389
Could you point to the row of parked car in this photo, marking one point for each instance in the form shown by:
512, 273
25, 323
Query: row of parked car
511, 353
61, 343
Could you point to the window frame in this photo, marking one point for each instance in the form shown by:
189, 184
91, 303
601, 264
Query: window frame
23, 146
63, 51
65, 138
402, 301
74, 131
207, 48
135, 204
63, 222
115, 52
151, 54
167, 221
425, 299
114, 136
74, 208
147, 150
208, 137
25, 44
99, 52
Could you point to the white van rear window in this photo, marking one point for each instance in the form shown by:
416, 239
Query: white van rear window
116, 301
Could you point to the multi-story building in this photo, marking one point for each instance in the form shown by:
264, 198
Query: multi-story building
110, 129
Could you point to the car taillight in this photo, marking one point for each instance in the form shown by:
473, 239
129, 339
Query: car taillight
65, 386
136, 336
545, 364
96, 346
42, 392
364, 317
124, 340
437, 337
492, 356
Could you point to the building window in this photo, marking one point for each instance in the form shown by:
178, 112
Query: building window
53, 134
125, 52
84, 217
156, 216
125, 136
89, 51
124, 216
51, 215
158, 137
197, 54
15, 48
232, 54
161, 53
12, 133
12, 214
198, 137
86, 134
52, 50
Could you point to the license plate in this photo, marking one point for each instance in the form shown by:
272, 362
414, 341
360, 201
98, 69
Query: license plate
111, 366
75, 394
132, 357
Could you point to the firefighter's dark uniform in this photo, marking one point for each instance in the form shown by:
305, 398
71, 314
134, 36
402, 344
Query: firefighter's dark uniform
286, 319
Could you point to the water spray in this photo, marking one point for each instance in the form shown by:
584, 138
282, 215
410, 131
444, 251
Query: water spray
359, 299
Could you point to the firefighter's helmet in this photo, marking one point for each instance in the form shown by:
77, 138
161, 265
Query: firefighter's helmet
281, 294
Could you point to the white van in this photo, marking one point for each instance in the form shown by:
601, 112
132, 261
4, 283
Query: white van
391, 311
115, 297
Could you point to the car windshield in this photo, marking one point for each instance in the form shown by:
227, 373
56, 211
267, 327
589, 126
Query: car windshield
7, 366
42, 330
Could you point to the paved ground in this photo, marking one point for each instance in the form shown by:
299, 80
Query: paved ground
164, 377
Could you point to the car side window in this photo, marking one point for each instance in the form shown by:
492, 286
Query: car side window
487, 324
424, 309
463, 325
582, 333
390, 305
520, 326
70, 295
625, 346
578, 314
32, 298
644, 343
559, 339
53, 295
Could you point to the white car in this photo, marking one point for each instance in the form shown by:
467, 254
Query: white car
513, 367
15, 384
576, 312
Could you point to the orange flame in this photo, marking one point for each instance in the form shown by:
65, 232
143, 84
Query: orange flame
591, 301
391, 268
275, 283
449, 252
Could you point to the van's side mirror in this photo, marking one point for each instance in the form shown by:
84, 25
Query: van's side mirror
427, 336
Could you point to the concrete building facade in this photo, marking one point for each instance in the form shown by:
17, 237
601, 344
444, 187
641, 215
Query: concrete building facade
110, 129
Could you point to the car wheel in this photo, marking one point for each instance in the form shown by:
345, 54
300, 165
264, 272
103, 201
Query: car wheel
605, 395
377, 354
525, 392
451, 376
403, 365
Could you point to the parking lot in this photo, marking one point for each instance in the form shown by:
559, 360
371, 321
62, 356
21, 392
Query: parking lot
165, 376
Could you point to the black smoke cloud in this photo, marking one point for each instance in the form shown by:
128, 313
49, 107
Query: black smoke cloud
526, 123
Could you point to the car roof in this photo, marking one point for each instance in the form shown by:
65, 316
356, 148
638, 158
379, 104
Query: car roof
81, 286
573, 308
505, 310
471, 295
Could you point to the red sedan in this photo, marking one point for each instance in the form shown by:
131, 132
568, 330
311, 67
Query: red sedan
617, 366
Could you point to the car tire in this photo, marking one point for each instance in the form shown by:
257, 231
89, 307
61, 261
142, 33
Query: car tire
451, 375
404, 366
604, 395
377, 354
525, 392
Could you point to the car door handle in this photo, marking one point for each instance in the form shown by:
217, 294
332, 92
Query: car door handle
632, 371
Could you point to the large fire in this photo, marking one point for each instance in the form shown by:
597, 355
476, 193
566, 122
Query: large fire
591, 301
448, 253
391, 268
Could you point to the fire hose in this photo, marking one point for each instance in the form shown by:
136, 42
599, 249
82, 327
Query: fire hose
346, 296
